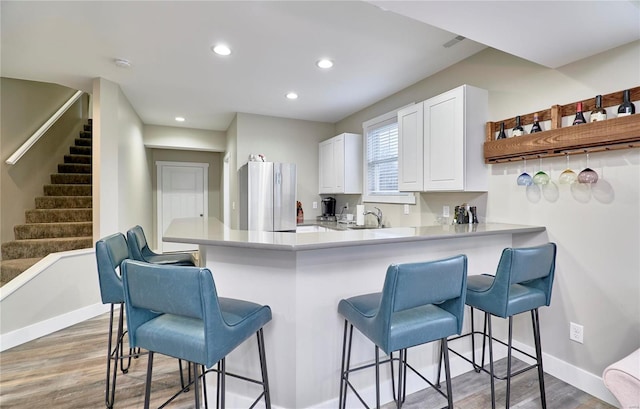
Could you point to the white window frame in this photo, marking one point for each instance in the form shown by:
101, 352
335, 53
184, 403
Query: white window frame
395, 197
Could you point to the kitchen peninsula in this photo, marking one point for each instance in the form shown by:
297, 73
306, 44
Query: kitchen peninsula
303, 276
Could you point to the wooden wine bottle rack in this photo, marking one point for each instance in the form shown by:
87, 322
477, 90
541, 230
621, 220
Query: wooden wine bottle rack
611, 134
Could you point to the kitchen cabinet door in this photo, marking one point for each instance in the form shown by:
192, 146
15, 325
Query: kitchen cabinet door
444, 141
340, 163
327, 182
410, 148
454, 125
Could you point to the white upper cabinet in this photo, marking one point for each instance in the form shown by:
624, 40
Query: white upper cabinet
452, 136
340, 161
410, 145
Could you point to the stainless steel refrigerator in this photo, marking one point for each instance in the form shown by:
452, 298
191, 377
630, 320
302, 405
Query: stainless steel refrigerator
267, 196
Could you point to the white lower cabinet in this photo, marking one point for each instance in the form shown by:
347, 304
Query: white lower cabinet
441, 141
340, 162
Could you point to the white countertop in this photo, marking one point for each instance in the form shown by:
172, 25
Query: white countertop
212, 232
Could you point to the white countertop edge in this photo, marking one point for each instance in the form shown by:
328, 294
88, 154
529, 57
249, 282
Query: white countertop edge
182, 231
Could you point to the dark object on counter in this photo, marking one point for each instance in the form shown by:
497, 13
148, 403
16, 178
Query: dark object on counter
464, 216
299, 213
329, 206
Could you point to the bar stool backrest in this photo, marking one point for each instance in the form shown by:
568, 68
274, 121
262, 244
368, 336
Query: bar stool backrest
411, 285
138, 244
532, 267
110, 252
185, 292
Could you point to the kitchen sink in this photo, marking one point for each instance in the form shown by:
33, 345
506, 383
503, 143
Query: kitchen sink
366, 227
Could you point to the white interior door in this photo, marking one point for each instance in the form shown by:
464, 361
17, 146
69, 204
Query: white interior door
182, 192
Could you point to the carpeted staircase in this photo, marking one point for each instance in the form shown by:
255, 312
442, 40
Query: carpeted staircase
62, 219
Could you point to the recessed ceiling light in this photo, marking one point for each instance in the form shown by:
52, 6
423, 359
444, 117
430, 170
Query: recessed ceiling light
122, 63
180, 119
324, 63
221, 49
292, 95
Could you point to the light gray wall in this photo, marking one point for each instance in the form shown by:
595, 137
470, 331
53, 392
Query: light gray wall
122, 188
214, 159
286, 140
25, 106
232, 167
597, 230
169, 137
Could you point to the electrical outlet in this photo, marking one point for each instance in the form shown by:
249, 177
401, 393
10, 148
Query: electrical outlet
576, 332
346, 206
445, 211
315, 205
406, 209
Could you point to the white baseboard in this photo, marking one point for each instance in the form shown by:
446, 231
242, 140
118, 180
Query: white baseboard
42, 328
574, 376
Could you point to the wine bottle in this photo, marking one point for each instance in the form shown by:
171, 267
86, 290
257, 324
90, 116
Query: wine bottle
518, 130
502, 134
627, 107
536, 124
598, 113
579, 115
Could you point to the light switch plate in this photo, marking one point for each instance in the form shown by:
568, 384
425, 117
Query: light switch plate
406, 209
315, 205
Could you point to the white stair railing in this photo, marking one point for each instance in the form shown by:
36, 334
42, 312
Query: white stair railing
38, 134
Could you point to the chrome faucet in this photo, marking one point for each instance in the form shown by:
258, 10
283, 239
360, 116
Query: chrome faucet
378, 215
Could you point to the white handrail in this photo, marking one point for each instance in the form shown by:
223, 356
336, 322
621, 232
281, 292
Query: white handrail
37, 134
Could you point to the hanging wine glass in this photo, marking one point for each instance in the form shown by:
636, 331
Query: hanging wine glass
568, 176
524, 179
588, 175
541, 177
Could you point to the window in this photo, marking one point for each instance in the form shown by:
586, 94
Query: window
381, 161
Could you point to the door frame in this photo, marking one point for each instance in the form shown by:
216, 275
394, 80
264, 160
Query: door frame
160, 166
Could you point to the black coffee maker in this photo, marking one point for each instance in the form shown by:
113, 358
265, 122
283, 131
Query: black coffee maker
328, 209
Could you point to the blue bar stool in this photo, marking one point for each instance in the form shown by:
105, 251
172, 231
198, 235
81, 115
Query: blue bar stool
419, 303
523, 282
175, 311
110, 252
140, 251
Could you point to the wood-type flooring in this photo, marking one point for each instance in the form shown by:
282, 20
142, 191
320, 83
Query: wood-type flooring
66, 370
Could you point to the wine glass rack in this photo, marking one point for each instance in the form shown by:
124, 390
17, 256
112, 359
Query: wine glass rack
611, 134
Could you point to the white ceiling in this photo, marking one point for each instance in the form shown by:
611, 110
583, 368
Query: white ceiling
276, 44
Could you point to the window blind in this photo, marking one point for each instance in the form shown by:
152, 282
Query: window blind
382, 157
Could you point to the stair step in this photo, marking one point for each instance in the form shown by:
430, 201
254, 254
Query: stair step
52, 230
10, 269
85, 134
71, 179
86, 159
41, 247
88, 127
80, 150
74, 168
82, 142
64, 202
58, 215
67, 190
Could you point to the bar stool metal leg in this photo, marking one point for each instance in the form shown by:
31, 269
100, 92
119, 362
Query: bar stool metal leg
196, 383
263, 369
111, 379
536, 336
493, 386
147, 388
